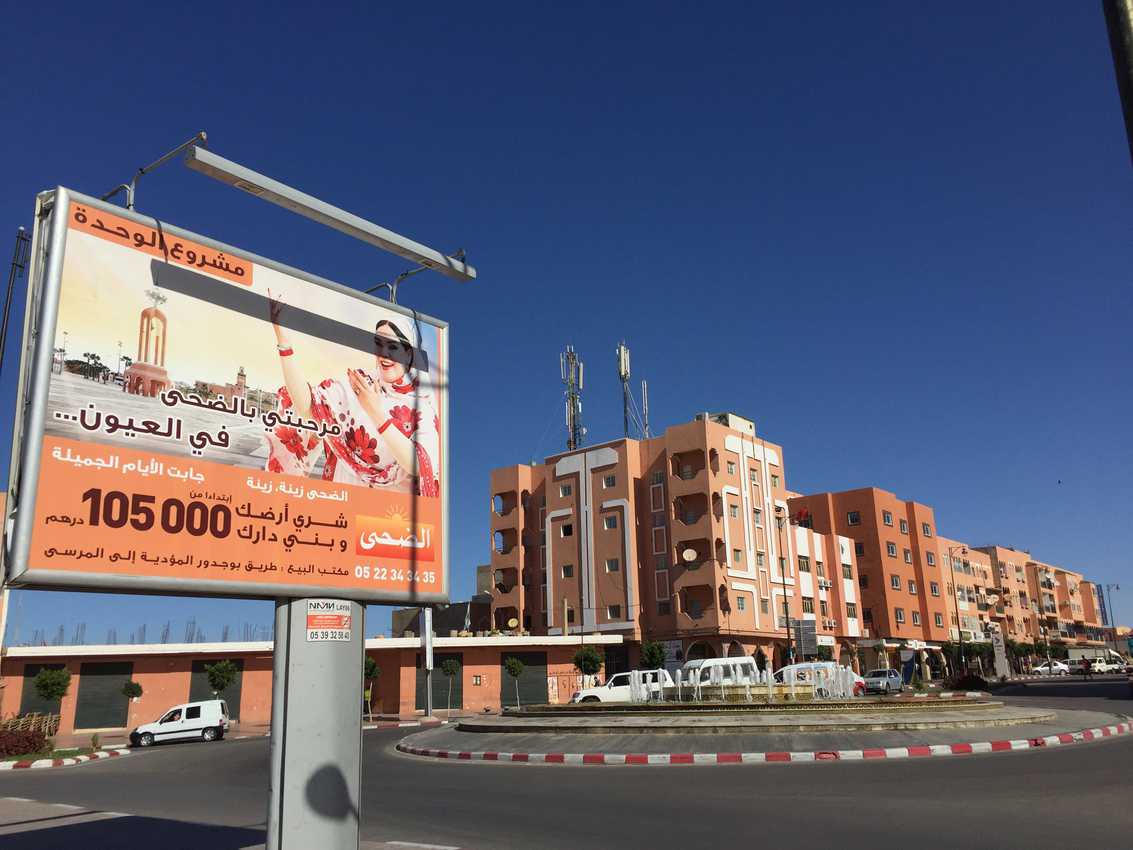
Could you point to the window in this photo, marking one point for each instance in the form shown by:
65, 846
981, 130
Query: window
656, 498
863, 581
852, 610
609, 481
658, 541
662, 562
823, 608
570, 615
808, 605
661, 582
891, 549
821, 570
658, 477
916, 618
762, 606
658, 520
741, 604
899, 615
566, 530
783, 566
753, 474
664, 608
612, 565
895, 581
887, 518
614, 612
934, 588
847, 571
867, 615
853, 518
731, 468
736, 553
193, 712
926, 529
939, 619
564, 490
904, 527
568, 570
734, 511
859, 548
908, 557
930, 559
912, 587
760, 559
804, 564
610, 521
774, 480
476, 680
758, 518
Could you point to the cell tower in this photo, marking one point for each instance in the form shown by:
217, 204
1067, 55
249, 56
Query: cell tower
623, 376
645, 410
571, 369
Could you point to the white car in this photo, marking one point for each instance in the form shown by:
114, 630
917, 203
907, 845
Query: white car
1104, 665
617, 687
202, 721
1051, 668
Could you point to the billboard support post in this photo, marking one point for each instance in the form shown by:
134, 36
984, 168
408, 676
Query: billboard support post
316, 738
427, 646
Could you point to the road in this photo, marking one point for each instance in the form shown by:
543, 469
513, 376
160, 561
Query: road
214, 795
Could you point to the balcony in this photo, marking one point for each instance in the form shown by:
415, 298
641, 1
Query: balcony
689, 472
690, 513
503, 503
503, 615
697, 608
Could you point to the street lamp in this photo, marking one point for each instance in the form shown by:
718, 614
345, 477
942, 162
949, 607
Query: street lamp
780, 521
963, 550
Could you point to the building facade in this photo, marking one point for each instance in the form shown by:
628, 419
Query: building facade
685, 538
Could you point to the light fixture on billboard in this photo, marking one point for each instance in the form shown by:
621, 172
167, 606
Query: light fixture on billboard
264, 187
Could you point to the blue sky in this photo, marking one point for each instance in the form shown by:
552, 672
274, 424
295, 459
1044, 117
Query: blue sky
895, 236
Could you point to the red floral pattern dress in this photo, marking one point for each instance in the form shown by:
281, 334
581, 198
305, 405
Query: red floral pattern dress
358, 454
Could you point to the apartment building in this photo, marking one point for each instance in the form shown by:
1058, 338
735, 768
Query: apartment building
1014, 607
1066, 606
897, 551
684, 538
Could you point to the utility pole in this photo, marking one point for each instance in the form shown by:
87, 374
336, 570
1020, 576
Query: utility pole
1109, 589
570, 367
1119, 23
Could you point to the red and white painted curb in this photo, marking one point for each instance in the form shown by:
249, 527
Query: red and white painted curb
41, 763
952, 695
922, 751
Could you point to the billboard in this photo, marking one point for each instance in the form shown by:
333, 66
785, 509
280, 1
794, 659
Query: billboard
197, 419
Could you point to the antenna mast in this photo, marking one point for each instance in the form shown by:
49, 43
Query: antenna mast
570, 367
645, 410
623, 376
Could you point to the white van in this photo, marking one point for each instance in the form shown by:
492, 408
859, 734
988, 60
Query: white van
617, 687
205, 721
804, 672
734, 670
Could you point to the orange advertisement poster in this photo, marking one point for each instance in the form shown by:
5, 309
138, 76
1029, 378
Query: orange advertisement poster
213, 425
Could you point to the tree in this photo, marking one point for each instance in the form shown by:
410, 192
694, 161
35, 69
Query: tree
652, 655
514, 668
825, 653
221, 675
450, 667
588, 660
52, 683
131, 690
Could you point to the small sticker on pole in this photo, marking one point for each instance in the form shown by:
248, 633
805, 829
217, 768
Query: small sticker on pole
328, 619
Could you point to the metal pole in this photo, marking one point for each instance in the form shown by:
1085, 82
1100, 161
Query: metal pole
427, 647
956, 602
316, 738
1119, 23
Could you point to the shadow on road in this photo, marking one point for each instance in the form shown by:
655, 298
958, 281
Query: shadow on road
130, 831
1070, 688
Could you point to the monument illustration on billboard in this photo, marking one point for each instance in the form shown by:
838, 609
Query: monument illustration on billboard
209, 421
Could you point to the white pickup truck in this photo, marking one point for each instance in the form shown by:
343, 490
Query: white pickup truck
616, 688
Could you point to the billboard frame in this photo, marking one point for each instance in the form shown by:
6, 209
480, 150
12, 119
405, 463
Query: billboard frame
40, 320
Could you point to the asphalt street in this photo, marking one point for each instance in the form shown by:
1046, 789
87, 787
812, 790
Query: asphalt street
214, 796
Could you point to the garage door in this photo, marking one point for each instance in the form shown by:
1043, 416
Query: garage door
532, 684
440, 681
101, 703
30, 701
199, 686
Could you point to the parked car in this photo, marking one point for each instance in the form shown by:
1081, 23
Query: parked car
887, 681
1104, 665
204, 721
1051, 668
700, 669
805, 671
617, 689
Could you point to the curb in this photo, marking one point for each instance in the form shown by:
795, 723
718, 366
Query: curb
405, 724
42, 763
923, 751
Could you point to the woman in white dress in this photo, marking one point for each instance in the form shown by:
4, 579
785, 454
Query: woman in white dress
388, 430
